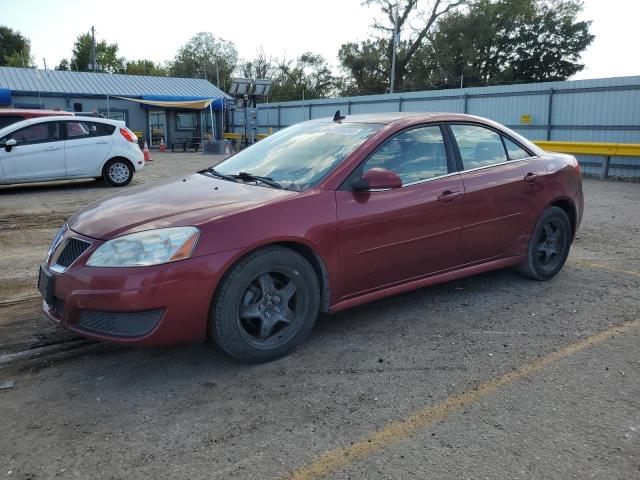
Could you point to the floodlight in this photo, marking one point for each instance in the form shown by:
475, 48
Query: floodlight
261, 87
240, 86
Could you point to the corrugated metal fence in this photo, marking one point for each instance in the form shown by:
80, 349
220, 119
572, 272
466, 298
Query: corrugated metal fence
602, 110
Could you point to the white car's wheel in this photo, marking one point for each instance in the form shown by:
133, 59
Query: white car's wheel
117, 172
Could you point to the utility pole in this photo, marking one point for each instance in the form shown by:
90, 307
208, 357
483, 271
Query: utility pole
217, 73
462, 81
93, 48
396, 36
45, 62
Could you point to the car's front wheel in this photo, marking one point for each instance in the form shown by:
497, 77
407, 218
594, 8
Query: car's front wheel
549, 245
117, 172
266, 305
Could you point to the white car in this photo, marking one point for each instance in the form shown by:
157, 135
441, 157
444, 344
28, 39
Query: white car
64, 147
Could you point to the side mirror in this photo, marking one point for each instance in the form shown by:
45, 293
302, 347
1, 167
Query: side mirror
377, 179
9, 144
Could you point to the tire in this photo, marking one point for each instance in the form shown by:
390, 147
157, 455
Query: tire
549, 245
265, 306
117, 172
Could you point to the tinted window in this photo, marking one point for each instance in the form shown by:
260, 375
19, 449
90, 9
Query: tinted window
76, 129
6, 120
515, 151
478, 146
38, 133
415, 155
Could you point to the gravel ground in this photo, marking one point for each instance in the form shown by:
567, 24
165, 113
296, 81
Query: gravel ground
98, 411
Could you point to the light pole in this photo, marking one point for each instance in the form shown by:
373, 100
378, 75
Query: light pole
396, 37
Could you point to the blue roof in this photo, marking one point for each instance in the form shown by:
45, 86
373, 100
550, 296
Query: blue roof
89, 83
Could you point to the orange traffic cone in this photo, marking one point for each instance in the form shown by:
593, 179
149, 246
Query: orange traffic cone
147, 154
162, 149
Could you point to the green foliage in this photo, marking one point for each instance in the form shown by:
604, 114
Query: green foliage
486, 42
509, 41
205, 56
146, 67
106, 56
15, 49
307, 78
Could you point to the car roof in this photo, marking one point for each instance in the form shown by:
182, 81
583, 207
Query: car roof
388, 118
55, 118
5, 112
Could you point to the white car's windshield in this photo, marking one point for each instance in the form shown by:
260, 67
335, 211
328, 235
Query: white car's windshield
298, 157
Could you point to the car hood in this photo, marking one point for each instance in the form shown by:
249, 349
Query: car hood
193, 200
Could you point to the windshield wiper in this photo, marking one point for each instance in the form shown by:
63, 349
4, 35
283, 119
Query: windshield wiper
244, 176
224, 176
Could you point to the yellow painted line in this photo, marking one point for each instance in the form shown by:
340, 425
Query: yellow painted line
588, 263
333, 460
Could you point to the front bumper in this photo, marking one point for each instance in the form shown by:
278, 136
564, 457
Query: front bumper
158, 305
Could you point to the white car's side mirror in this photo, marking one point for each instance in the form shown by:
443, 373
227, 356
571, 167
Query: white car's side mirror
9, 144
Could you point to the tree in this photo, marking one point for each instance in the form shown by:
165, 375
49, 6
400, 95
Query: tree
259, 67
205, 56
106, 56
146, 67
510, 41
15, 49
414, 26
307, 78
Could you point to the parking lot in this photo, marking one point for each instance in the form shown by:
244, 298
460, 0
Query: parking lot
493, 376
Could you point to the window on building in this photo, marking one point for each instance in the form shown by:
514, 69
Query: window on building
186, 120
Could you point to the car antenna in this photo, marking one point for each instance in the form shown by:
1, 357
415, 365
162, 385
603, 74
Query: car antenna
337, 117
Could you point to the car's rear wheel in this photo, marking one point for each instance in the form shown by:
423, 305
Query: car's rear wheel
265, 306
549, 245
117, 172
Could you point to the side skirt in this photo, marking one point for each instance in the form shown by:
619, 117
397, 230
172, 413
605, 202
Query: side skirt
425, 282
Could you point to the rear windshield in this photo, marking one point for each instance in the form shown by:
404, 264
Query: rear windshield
299, 156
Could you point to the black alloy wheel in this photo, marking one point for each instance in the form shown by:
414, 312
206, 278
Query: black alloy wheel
266, 305
549, 245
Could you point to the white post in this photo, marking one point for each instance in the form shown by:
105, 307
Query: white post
213, 135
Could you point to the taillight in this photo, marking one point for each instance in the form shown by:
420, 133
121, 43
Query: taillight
577, 166
128, 135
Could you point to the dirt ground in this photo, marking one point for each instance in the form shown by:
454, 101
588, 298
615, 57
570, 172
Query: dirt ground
493, 376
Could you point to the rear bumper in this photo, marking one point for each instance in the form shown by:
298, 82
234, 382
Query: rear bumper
158, 305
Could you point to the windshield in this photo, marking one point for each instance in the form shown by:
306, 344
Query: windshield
298, 157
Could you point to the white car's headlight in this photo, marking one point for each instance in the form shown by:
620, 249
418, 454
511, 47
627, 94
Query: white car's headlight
146, 248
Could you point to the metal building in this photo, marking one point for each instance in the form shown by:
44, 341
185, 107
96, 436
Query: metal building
157, 107
601, 110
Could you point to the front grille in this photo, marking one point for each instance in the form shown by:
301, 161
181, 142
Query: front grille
72, 250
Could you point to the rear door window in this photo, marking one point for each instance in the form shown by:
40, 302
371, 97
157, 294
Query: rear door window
515, 151
77, 129
478, 146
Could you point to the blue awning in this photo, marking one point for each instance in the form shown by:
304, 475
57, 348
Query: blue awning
5, 96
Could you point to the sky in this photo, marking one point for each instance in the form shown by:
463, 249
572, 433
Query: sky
284, 28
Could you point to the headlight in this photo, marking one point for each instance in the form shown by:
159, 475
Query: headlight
146, 248
56, 240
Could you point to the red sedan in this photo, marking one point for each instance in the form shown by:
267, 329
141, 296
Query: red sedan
321, 216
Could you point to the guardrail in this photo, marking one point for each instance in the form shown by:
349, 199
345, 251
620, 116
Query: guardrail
606, 150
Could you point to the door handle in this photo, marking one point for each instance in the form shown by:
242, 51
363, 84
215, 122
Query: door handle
51, 148
103, 141
530, 177
448, 196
